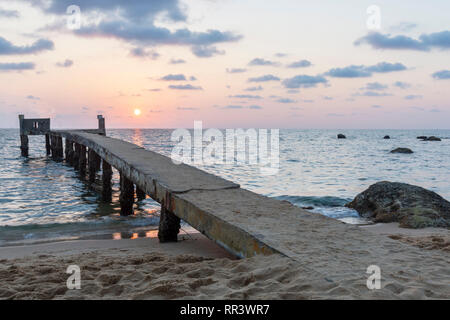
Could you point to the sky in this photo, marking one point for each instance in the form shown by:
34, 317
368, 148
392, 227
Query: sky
230, 63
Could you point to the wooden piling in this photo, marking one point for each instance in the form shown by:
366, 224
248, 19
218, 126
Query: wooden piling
82, 160
59, 147
24, 145
47, 144
106, 181
68, 150
126, 196
93, 164
140, 194
76, 156
169, 225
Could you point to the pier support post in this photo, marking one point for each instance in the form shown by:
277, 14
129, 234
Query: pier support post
106, 181
76, 156
126, 196
59, 148
140, 194
53, 146
47, 143
82, 160
169, 225
24, 145
69, 151
93, 164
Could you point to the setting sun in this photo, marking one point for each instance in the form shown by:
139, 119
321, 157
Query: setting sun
137, 112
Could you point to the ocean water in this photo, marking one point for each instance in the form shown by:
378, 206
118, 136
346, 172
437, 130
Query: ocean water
43, 200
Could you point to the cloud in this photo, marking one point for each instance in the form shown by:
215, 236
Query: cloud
403, 27
402, 85
187, 108
441, 75
244, 96
413, 97
376, 106
265, 78
280, 55
384, 67
136, 22
375, 86
66, 64
258, 88
30, 97
236, 70
440, 40
362, 71
9, 13
140, 52
192, 78
7, 48
206, 51
17, 66
328, 98
174, 77
373, 94
233, 107
177, 61
184, 87
286, 100
303, 81
299, 64
262, 62
154, 90
349, 72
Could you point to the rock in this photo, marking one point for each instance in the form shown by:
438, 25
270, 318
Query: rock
433, 138
422, 137
386, 137
411, 206
402, 150
308, 208
341, 136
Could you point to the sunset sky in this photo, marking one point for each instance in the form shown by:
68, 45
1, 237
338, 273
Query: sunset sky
228, 63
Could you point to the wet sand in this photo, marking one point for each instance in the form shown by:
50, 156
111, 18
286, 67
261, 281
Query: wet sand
196, 268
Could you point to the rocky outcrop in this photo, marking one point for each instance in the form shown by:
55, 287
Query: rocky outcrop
411, 206
341, 136
402, 150
431, 138
386, 137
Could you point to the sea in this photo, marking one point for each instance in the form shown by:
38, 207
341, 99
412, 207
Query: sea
42, 200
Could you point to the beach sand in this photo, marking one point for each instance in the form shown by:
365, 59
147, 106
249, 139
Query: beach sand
196, 268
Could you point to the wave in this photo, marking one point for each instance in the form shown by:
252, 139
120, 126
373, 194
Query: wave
306, 201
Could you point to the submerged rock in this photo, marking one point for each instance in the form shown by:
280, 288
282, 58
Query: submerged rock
341, 136
422, 137
411, 206
402, 150
386, 137
433, 138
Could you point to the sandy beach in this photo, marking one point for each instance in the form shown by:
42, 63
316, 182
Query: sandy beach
196, 268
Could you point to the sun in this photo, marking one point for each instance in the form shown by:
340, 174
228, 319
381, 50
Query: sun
137, 112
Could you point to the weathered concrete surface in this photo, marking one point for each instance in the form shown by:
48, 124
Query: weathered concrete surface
246, 223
